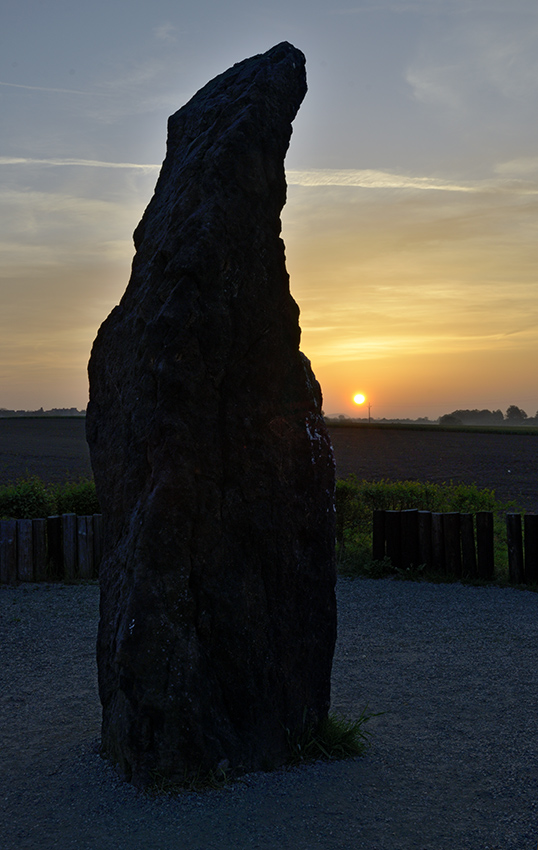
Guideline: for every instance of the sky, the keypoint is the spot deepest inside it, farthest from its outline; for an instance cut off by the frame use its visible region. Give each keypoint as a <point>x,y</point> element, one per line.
<point>412,216</point>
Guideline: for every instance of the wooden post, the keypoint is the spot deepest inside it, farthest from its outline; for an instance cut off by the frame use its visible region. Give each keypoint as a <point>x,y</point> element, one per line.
<point>69,545</point>
<point>8,551</point>
<point>85,546</point>
<point>39,535</point>
<point>54,540</point>
<point>530,522</point>
<point>468,551</point>
<point>451,530</point>
<point>425,538</point>
<point>98,542</point>
<point>438,543</point>
<point>378,535</point>
<point>393,537</point>
<point>514,538</point>
<point>484,545</point>
<point>25,555</point>
<point>409,545</point>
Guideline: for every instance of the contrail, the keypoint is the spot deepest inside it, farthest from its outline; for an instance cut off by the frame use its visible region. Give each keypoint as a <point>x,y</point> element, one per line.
<point>60,91</point>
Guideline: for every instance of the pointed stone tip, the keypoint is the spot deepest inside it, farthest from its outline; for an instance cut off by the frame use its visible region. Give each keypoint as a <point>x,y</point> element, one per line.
<point>282,66</point>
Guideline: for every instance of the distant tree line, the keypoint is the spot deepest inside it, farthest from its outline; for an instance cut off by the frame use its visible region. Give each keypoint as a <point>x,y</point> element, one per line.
<point>514,416</point>
<point>55,411</point>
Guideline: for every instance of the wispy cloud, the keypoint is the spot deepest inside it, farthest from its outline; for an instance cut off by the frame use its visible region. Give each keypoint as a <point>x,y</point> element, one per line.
<point>436,84</point>
<point>508,179</point>
<point>435,7</point>
<point>53,90</point>
<point>85,163</point>
<point>471,59</point>
<point>523,165</point>
<point>371,179</point>
<point>165,32</point>
<point>401,7</point>
<point>363,178</point>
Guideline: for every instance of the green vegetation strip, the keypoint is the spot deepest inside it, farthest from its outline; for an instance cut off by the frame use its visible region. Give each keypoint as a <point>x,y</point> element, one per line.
<point>357,500</point>
<point>379,425</point>
<point>30,498</point>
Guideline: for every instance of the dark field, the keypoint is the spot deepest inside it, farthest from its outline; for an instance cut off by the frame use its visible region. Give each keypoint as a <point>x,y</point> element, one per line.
<point>53,449</point>
<point>506,463</point>
<point>56,451</point>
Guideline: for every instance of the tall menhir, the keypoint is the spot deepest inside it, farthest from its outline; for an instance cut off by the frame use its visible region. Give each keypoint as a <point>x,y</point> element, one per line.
<point>213,467</point>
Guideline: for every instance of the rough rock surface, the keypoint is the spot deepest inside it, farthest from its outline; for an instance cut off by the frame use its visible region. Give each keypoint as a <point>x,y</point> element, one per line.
<point>212,463</point>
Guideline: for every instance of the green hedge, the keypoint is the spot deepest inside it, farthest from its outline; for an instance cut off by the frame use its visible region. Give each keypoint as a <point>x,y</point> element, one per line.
<point>356,501</point>
<point>30,498</point>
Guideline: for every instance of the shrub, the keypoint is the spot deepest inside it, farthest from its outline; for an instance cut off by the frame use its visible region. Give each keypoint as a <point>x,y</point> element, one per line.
<point>77,498</point>
<point>27,499</point>
<point>30,498</point>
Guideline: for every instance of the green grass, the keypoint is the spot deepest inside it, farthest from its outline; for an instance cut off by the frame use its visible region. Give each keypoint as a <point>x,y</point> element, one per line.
<point>356,501</point>
<point>335,738</point>
<point>529,430</point>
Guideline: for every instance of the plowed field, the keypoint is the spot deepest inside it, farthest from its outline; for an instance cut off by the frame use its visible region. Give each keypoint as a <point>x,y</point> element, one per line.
<point>506,463</point>
<point>56,450</point>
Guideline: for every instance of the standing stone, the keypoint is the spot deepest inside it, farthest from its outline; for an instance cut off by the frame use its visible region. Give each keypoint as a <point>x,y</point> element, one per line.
<point>213,466</point>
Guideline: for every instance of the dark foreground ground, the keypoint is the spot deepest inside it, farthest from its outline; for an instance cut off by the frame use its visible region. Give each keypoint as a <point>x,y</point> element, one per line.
<point>56,450</point>
<point>452,764</point>
<point>451,670</point>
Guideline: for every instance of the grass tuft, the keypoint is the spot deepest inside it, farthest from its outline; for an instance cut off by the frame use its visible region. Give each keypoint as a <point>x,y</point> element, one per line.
<point>335,738</point>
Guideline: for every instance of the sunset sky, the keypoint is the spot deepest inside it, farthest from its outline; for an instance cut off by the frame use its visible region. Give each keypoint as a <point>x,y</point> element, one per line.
<point>411,226</point>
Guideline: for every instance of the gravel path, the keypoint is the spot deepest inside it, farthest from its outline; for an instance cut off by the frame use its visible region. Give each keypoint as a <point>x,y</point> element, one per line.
<point>453,763</point>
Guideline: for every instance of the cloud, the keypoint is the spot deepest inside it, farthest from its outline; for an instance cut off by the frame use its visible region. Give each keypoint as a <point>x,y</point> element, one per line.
<point>52,90</point>
<point>436,84</point>
<point>401,7</point>
<point>353,178</point>
<point>507,180</point>
<point>139,86</point>
<point>490,52</point>
<point>523,165</point>
<point>165,32</point>
<point>432,8</point>
<point>370,179</point>
<point>382,276</point>
<point>84,163</point>
<point>43,231</point>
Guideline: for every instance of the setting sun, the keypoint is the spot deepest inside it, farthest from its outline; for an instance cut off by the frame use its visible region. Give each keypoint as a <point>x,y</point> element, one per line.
<point>359,398</point>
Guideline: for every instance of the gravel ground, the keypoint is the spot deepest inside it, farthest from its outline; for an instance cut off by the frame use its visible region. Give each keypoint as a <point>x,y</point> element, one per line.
<point>453,763</point>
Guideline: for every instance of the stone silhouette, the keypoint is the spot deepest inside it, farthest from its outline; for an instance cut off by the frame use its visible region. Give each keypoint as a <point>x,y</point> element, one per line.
<point>213,466</point>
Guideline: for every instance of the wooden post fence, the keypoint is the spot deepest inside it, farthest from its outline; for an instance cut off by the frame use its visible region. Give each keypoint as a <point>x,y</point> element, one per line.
<point>530,524</point>
<point>66,547</point>
<point>449,543</point>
